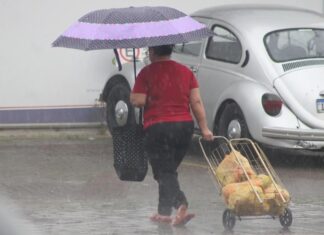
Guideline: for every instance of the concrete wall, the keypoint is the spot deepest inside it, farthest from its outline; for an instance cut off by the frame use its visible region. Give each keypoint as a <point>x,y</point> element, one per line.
<point>35,77</point>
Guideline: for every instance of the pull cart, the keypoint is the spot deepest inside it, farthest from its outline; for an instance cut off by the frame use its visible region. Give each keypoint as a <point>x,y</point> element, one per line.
<point>246,180</point>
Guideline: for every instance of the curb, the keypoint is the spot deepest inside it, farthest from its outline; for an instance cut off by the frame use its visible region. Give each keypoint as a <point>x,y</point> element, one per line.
<point>69,133</point>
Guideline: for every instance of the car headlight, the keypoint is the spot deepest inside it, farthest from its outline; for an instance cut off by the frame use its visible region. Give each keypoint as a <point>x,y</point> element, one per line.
<point>272,104</point>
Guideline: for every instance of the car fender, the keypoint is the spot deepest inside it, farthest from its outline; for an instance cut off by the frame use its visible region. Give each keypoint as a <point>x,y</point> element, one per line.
<point>125,75</point>
<point>247,95</point>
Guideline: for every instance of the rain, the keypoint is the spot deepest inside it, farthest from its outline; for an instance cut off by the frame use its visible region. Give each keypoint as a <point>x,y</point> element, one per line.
<point>67,124</point>
<point>67,185</point>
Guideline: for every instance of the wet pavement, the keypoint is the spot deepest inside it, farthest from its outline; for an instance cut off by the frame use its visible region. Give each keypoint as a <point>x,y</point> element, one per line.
<point>67,185</point>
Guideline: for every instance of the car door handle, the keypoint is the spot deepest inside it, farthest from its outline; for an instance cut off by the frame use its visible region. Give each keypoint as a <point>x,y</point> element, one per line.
<point>194,69</point>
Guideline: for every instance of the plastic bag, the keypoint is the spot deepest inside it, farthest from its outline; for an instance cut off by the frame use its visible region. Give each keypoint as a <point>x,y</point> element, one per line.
<point>244,195</point>
<point>230,171</point>
<point>271,192</point>
<point>241,197</point>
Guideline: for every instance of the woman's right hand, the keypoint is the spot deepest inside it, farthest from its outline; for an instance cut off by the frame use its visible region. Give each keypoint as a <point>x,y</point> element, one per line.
<point>207,134</point>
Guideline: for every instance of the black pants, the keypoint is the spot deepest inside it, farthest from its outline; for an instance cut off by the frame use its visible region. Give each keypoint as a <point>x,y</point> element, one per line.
<point>166,145</point>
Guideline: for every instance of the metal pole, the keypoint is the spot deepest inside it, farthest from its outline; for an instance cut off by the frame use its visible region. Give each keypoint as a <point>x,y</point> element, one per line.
<point>140,109</point>
<point>117,59</point>
<point>134,61</point>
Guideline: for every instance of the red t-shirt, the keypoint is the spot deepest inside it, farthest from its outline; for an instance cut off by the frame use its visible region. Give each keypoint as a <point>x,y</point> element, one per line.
<point>167,85</point>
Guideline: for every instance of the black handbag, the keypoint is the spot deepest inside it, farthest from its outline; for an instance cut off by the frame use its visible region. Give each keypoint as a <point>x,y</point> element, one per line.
<point>130,160</point>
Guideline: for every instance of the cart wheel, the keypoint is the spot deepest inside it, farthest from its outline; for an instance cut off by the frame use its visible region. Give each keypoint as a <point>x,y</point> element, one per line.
<point>286,218</point>
<point>228,219</point>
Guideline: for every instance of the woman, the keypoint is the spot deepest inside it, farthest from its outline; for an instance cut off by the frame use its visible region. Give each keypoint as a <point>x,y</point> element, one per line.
<point>167,90</point>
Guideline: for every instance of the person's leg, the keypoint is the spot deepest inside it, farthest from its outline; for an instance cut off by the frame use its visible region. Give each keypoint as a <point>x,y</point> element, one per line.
<point>166,145</point>
<point>161,158</point>
<point>183,141</point>
<point>153,149</point>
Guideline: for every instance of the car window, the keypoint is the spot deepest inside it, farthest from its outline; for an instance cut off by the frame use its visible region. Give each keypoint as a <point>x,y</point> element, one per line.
<point>190,48</point>
<point>224,46</point>
<point>294,44</point>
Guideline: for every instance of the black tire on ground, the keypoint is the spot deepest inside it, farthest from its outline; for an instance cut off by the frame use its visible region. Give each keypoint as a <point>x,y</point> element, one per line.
<point>118,92</point>
<point>228,219</point>
<point>286,218</point>
<point>232,112</point>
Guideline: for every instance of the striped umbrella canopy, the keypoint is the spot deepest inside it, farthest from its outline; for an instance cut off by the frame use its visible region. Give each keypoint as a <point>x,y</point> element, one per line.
<point>132,27</point>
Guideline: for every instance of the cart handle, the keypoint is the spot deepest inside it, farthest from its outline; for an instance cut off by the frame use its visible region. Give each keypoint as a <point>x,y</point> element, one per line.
<point>206,157</point>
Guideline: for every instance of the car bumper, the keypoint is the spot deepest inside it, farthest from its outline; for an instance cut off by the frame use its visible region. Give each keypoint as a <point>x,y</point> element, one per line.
<point>293,134</point>
<point>294,138</point>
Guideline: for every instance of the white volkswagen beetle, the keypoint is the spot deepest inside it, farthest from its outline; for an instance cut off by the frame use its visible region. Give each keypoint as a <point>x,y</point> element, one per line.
<point>261,75</point>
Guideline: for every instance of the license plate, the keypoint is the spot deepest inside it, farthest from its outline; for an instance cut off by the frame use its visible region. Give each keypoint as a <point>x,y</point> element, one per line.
<point>320,105</point>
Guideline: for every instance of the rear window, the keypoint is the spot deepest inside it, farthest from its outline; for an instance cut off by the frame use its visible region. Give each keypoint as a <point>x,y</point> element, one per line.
<point>295,44</point>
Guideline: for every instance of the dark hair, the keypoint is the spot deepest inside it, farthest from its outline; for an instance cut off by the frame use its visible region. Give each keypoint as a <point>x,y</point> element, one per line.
<point>164,50</point>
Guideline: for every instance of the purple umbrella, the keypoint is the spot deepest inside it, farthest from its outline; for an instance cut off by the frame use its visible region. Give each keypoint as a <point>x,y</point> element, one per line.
<point>132,27</point>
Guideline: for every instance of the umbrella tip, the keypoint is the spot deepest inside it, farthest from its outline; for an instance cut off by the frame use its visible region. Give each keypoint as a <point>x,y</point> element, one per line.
<point>54,44</point>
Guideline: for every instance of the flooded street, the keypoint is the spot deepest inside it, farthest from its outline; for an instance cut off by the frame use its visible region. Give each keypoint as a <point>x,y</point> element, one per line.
<point>67,186</point>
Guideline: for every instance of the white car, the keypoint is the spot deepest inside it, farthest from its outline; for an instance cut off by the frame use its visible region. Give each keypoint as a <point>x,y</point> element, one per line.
<point>261,75</point>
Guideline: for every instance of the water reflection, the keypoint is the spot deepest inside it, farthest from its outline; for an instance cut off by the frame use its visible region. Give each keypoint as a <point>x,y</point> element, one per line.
<point>71,188</point>
<point>167,229</point>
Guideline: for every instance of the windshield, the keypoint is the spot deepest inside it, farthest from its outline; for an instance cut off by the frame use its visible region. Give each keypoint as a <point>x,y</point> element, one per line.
<point>294,44</point>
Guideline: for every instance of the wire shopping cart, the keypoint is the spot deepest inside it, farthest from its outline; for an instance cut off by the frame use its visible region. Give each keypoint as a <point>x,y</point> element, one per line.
<point>246,180</point>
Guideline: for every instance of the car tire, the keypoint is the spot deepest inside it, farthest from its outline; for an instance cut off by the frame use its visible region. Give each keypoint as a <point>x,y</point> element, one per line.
<point>232,123</point>
<point>118,93</point>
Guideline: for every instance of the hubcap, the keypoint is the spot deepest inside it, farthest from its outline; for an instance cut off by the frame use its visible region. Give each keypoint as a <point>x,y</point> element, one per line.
<point>121,113</point>
<point>234,129</point>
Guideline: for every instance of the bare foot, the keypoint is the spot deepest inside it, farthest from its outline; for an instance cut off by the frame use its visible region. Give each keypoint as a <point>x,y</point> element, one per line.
<point>161,218</point>
<point>182,217</point>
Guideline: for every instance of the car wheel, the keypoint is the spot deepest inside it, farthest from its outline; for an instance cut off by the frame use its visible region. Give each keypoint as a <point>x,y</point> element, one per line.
<point>119,110</point>
<point>232,123</point>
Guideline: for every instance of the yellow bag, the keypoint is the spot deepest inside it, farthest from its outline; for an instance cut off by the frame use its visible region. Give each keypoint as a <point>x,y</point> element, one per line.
<point>274,194</point>
<point>262,181</point>
<point>245,196</point>
<point>242,198</point>
<point>230,171</point>
<point>274,200</point>
<point>229,189</point>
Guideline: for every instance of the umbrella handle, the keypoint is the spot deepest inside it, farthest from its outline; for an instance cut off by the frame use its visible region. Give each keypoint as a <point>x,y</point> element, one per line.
<point>118,60</point>
<point>141,109</point>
